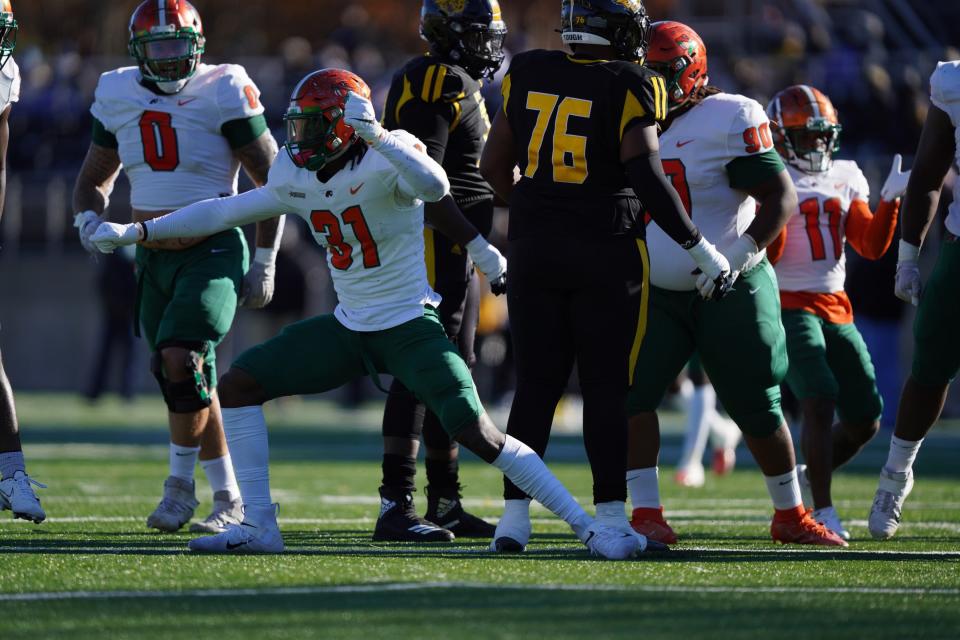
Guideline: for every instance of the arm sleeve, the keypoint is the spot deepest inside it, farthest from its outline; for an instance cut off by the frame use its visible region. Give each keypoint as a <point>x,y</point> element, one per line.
<point>746,172</point>
<point>421,177</point>
<point>430,123</point>
<point>238,98</point>
<point>660,199</point>
<point>870,234</point>
<point>207,217</point>
<point>103,138</point>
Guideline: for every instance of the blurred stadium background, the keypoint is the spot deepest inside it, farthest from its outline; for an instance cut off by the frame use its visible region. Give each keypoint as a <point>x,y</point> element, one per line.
<point>872,57</point>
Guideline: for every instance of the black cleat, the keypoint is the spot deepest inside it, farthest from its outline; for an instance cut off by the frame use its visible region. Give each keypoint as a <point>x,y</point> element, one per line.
<point>445,510</point>
<point>399,522</point>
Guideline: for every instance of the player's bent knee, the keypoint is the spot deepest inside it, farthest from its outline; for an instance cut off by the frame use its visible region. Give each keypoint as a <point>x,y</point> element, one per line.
<point>758,424</point>
<point>178,368</point>
<point>238,388</point>
<point>482,438</point>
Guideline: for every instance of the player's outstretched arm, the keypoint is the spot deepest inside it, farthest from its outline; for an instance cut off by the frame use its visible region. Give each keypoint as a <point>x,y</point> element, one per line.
<point>499,159</point>
<point>640,157</point>
<point>256,158</point>
<point>446,217</point>
<point>198,220</point>
<point>421,177</point>
<point>91,193</point>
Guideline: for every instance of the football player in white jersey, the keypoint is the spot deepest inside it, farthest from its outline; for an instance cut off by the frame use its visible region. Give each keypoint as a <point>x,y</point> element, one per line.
<point>16,490</point>
<point>362,190</point>
<point>830,369</point>
<point>718,149</point>
<point>936,357</point>
<point>181,130</point>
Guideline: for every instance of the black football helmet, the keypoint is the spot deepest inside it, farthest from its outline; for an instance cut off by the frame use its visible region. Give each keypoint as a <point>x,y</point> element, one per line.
<point>469,33</point>
<point>621,24</point>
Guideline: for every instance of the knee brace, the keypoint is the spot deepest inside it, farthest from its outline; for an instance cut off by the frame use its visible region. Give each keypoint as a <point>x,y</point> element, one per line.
<point>190,395</point>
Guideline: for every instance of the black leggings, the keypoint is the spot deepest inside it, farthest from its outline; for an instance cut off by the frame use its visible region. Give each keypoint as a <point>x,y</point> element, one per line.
<point>572,300</point>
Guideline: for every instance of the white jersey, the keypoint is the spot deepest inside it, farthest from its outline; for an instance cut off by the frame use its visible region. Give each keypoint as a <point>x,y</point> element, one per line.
<point>374,239</point>
<point>9,84</point>
<point>695,151</point>
<point>945,95</point>
<point>813,257</point>
<point>171,146</point>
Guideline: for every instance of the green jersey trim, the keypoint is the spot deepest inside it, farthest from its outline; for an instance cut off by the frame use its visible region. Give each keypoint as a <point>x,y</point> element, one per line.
<point>102,137</point>
<point>240,133</point>
<point>746,172</point>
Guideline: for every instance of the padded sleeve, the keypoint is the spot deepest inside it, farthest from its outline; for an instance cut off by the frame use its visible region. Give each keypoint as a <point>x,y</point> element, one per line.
<point>643,101</point>
<point>749,132</point>
<point>238,98</point>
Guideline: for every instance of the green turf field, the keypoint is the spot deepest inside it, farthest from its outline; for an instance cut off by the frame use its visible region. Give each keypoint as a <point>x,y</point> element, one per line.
<point>94,571</point>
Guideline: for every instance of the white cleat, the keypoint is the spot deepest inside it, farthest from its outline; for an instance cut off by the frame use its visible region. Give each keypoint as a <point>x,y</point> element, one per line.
<point>620,523</point>
<point>725,435</point>
<point>690,475</point>
<point>258,533</point>
<point>225,512</point>
<point>612,543</point>
<point>514,529</point>
<point>887,504</point>
<point>806,492</point>
<point>177,506</point>
<point>17,495</point>
<point>828,517</point>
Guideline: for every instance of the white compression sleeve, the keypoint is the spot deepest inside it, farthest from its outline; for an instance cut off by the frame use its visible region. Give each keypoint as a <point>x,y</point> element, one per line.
<point>524,468</point>
<point>246,431</point>
<point>218,214</point>
<point>421,177</point>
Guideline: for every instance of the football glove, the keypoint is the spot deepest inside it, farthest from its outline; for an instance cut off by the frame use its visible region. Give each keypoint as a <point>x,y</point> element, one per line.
<point>714,278</point>
<point>740,253</point>
<point>110,235</point>
<point>907,286</point>
<point>358,112</point>
<point>86,223</point>
<point>896,183</point>
<point>258,282</point>
<point>491,262</point>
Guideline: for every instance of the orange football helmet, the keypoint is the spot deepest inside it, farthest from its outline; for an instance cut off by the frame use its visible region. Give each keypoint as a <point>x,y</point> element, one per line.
<point>8,32</point>
<point>316,131</point>
<point>166,40</point>
<point>678,54</point>
<point>806,130</point>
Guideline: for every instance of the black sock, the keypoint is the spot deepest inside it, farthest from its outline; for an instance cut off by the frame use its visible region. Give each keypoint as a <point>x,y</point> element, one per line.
<point>399,472</point>
<point>443,476</point>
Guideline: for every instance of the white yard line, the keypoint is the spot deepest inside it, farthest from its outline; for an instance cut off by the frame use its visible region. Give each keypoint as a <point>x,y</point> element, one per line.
<point>420,586</point>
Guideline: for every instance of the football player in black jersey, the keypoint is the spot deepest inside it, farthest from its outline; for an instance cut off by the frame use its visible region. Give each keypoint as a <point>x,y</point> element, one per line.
<point>437,98</point>
<point>583,130</point>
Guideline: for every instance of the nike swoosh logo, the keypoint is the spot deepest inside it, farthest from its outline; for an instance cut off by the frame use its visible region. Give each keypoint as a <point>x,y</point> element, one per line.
<point>181,103</point>
<point>683,144</point>
<point>786,482</point>
<point>183,455</point>
<point>354,190</point>
<point>231,546</point>
<point>219,250</point>
<point>753,291</point>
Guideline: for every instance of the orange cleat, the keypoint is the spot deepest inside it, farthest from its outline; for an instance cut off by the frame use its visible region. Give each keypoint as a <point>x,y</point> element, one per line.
<point>650,522</point>
<point>724,460</point>
<point>798,526</point>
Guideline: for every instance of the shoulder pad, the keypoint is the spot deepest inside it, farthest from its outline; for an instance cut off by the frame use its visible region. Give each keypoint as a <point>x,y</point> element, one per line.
<point>434,81</point>
<point>945,86</point>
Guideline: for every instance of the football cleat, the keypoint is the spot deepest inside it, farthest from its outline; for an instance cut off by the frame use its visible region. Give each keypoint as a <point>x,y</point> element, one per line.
<point>258,533</point>
<point>691,475</point>
<point>17,495</point>
<point>612,542</point>
<point>797,526</point>
<point>887,504</point>
<point>726,435</point>
<point>513,531</point>
<point>806,492</point>
<point>445,510</point>
<point>225,512</point>
<point>828,517</point>
<point>398,520</point>
<point>650,523</point>
<point>176,507</point>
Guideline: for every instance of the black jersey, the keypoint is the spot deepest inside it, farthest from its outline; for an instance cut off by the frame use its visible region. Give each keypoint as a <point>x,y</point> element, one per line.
<point>568,116</point>
<point>441,104</point>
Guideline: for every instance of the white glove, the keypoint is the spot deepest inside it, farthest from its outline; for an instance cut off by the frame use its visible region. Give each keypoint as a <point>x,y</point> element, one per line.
<point>257,290</point>
<point>490,261</point>
<point>714,279</point>
<point>740,253</point>
<point>110,235</point>
<point>908,285</point>
<point>358,112</point>
<point>896,183</point>
<point>86,223</point>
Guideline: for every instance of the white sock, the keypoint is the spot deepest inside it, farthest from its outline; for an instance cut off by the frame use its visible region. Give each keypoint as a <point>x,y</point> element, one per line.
<point>784,490</point>
<point>525,469</point>
<point>644,487</point>
<point>219,472</point>
<point>703,404</point>
<point>246,431</point>
<point>183,460</point>
<point>902,454</point>
<point>612,514</point>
